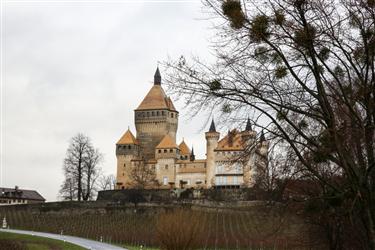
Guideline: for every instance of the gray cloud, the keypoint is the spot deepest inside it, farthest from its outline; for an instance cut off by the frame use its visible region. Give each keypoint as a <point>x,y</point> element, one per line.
<point>85,68</point>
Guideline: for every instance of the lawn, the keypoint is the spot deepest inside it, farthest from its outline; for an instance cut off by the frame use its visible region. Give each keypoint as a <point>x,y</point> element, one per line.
<point>11,241</point>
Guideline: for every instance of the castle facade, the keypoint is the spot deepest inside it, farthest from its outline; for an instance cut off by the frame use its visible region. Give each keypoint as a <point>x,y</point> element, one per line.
<point>152,159</point>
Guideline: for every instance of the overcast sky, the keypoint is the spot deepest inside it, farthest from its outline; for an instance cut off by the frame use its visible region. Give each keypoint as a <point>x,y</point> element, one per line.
<point>81,66</point>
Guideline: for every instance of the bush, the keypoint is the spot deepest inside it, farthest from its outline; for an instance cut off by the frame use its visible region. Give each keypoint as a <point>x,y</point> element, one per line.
<point>179,230</point>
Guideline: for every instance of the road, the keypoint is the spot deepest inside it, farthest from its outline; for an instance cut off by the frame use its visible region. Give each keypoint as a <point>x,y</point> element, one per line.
<point>89,244</point>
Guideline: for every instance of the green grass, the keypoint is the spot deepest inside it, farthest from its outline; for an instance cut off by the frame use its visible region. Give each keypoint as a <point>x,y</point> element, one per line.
<point>22,241</point>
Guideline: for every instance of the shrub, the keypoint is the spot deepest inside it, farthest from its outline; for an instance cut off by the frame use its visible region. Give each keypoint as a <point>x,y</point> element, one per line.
<point>179,230</point>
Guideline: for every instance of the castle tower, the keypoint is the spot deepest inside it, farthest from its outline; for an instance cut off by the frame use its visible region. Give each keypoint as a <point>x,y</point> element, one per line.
<point>248,135</point>
<point>127,150</point>
<point>212,137</point>
<point>155,117</point>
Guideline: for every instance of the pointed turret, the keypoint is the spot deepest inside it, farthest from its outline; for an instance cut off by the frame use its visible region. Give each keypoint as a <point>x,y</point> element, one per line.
<point>127,138</point>
<point>262,138</point>
<point>248,125</point>
<point>212,126</point>
<point>157,77</point>
<point>192,155</point>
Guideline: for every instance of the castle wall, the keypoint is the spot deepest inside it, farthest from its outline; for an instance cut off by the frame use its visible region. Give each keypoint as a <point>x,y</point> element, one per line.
<point>165,172</point>
<point>124,166</point>
<point>152,126</point>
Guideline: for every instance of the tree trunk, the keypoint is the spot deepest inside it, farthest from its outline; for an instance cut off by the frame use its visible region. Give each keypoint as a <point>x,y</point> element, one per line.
<point>80,178</point>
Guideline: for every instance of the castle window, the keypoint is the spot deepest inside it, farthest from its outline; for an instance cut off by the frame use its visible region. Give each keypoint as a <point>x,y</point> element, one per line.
<point>172,115</point>
<point>152,113</point>
<point>165,180</point>
<point>165,151</point>
<point>166,166</point>
<point>148,114</point>
<point>163,112</point>
<point>171,151</point>
<point>157,113</point>
<point>235,180</point>
<point>159,151</point>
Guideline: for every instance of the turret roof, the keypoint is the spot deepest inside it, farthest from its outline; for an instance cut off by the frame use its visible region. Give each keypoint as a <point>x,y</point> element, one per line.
<point>156,99</point>
<point>128,138</point>
<point>167,142</point>
<point>232,141</point>
<point>212,126</point>
<point>184,149</point>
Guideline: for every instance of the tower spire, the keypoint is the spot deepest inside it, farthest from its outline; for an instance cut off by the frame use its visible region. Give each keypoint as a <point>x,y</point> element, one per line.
<point>248,125</point>
<point>157,77</point>
<point>212,126</point>
<point>192,155</point>
<point>262,138</point>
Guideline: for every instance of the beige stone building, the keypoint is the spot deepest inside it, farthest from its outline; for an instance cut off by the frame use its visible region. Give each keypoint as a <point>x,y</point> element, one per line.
<point>152,158</point>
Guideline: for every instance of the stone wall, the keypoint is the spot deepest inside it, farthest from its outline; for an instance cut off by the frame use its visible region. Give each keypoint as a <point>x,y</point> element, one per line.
<point>168,195</point>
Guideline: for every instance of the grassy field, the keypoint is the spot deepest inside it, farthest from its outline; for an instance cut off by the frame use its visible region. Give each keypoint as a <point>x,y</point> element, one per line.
<point>12,241</point>
<point>260,228</point>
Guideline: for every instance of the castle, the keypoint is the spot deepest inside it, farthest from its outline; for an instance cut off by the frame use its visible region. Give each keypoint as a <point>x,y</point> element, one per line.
<point>152,159</point>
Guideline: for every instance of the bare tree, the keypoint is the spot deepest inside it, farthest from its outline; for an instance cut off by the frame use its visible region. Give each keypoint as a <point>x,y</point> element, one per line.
<point>81,169</point>
<point>68,190</point>
<point>143,176</point>
<point>92,172</point>
<point>271,176</point>
<point>107,182</point>
<point>304,70</point>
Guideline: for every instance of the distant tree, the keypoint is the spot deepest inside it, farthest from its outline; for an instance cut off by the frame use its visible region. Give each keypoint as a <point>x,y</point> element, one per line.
<point>81,169</point>
<point>107,182</point>
<point>92,172</point>
<point>68,190</point>
<point>143,176</point>
<point>305,71</point>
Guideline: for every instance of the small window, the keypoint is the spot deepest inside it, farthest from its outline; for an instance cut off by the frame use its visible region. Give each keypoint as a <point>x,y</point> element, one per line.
<point>159,151</point>
<point>148,114</point>
<point>157,113</point>
<point>165,151</point>
<point>172,115</point>
<point>163,112</point>
<point>171,151</point>
<point>152,113</point>
<point>235,180</point>
<point>165,180</point>
<point>166,166</point>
